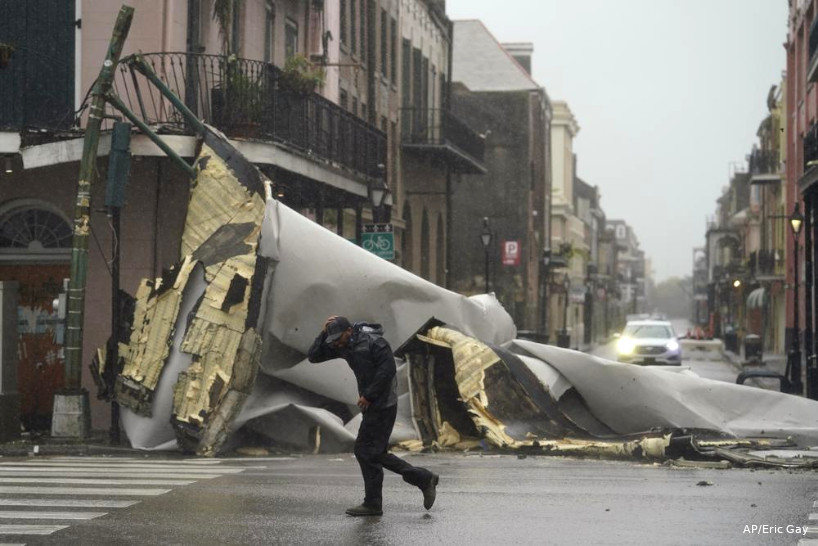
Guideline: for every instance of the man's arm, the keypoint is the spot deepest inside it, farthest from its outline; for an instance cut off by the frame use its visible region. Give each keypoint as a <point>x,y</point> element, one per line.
<point>320,351</point>
<point>385,370</point>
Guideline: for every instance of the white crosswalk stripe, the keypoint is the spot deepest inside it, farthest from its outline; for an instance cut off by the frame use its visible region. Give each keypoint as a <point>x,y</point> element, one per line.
<point>95,481</point>
<point>133,466</point>
<point>19,514</point>
<point>68,503</point>
<point>101,491</point>
<point>102,473</point>
<point>83,488</point>
<point>30,529</point>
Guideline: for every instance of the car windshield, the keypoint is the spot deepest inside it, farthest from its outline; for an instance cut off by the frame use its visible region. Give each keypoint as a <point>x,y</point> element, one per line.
<point>648,331</point>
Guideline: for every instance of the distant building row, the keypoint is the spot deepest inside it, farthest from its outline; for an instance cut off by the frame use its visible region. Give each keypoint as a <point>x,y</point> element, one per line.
<point>756,273</point>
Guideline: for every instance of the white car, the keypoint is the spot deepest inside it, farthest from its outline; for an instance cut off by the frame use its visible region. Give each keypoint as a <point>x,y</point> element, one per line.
<point>649,342</point>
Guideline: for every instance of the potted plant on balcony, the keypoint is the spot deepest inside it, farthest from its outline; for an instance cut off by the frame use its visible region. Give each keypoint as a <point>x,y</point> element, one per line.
<point>300,77</point>
<point>6,51</point>
<point>238,100</point>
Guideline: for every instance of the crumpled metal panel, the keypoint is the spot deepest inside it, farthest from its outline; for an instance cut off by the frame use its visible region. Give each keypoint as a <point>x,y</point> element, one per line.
<point>508,399</point>
<point>209,396</point>
<point>630,399</point>
<point>509,409</point>
<point>221,234</point>
<point>157,305</point>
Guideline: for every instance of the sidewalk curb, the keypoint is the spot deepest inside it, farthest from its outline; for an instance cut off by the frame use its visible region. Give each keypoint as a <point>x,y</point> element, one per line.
<point>96,444</point>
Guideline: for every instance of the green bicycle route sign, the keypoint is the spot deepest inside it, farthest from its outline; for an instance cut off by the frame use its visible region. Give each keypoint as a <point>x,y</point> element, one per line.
<point>379,240</point>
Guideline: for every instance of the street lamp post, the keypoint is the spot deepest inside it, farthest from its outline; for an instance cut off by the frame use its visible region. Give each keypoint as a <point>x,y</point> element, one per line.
<point>563,339</point>
<point>377,190</point>
<point>794,361</point>
<point>546,262</point>
<point>485,238</point>
<point>377,194</point>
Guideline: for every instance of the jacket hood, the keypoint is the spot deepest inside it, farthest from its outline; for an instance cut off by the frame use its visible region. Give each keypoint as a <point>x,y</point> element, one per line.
<point>367,328</point>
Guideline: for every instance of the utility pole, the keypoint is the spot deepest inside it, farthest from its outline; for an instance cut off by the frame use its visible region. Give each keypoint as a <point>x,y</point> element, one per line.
<point>71,417</point>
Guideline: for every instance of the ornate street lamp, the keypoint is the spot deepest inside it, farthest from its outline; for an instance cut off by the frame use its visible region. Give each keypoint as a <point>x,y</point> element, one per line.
<point>485,238</point>
<point>794,360</point>
<point>378,190</point>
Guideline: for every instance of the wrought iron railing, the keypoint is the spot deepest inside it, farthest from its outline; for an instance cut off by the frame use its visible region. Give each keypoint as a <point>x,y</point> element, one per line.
<point>764,162</point>
<point>810,146</point>
<point>245,98</point>
<point>438,126</point>
<point>762,263</point>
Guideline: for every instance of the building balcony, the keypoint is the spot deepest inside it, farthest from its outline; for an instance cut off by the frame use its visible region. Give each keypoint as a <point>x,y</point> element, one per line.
<point>437,133</point>
<point>810,176</point>
<point>250,99</point>
<point>812,67</point>
<point>765,167</point>
<point>766,265</point>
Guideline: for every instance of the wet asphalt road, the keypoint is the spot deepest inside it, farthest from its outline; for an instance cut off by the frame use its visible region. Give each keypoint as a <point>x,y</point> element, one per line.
<point>482,499</point>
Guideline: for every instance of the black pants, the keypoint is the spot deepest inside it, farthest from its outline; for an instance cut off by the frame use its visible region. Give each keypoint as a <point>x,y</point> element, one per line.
<point>371,452</point>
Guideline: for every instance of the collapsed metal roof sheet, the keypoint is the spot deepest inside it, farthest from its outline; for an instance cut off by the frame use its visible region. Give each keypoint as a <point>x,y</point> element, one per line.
<point>219,343</point>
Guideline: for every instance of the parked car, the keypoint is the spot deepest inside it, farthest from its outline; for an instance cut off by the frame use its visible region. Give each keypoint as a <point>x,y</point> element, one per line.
<point>649,342</point>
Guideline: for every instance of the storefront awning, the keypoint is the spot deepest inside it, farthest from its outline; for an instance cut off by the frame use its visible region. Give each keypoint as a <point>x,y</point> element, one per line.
<point>756,298</point>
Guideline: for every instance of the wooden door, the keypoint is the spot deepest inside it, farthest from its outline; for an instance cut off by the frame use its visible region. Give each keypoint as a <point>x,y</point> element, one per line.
<point>41,366</point>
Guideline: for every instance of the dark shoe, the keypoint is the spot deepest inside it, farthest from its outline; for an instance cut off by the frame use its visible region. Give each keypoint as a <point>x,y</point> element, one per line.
<point>430,492</point>
<point>364,510</point>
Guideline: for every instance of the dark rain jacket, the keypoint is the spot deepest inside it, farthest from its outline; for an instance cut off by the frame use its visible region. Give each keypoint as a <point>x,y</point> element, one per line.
<point>371,359</point>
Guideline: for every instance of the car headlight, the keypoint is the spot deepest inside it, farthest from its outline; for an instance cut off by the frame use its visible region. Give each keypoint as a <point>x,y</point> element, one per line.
<point>625,345</point>
<point>672,345</point>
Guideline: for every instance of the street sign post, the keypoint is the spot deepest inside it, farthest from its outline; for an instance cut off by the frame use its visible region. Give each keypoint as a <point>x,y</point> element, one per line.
<point>379,239</point>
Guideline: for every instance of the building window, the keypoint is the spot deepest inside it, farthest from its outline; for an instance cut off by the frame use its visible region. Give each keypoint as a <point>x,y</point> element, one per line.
<point>343,99</point>
<point>417,78</point>
<point>353,26</point>
<point>355,105</point>
<point>269,25</point>
<point>433,81</point>
<point>291,38</point>
<point>235,33</point>
<point>393,152</point>
<point>364,17</point>
<point>423,73</point>
<point>194,27</point>
<point>394,48</point>
<point>406,75</point>
<point>34,228</point>
<point>384,45</point>
<point>444,100</point>
<point>344,36</point>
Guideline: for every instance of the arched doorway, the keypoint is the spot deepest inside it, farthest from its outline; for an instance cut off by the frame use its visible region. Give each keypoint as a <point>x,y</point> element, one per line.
<point>35,251</point>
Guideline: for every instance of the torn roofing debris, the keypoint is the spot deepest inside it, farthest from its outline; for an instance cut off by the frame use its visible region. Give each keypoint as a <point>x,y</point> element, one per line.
<point>217,354</point>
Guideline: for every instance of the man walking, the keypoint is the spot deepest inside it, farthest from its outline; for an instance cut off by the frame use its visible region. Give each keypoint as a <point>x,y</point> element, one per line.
<point>370,357</point>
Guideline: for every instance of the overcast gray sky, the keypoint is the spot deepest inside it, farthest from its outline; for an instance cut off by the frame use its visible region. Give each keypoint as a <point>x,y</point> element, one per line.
<point>667,94</point>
